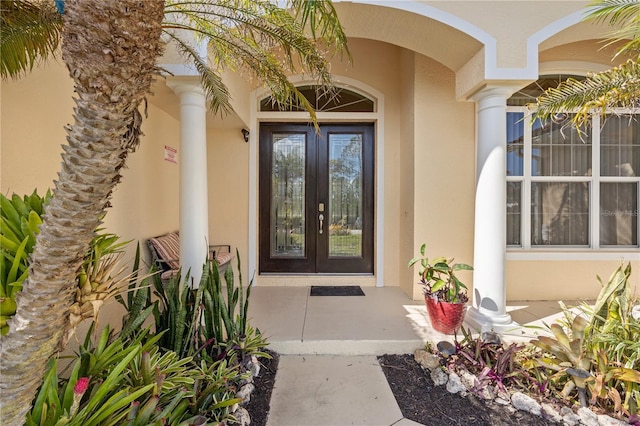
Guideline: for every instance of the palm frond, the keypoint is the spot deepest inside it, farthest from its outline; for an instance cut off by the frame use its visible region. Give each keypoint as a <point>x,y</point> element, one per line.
<point>255,36</point>
<point>624,17</point>
<point>618,87</point>
<point>29,33</point>
<point>216,91</point>
<point>322,16</point>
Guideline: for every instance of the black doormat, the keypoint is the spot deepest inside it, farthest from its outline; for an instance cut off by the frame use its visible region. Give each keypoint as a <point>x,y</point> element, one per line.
<point>336,290</point>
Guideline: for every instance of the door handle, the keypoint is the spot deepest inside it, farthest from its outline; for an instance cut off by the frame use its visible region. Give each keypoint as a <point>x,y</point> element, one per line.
<point>321,219</point>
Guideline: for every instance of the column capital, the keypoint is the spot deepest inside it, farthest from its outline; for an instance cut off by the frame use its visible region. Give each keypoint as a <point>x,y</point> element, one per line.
<point>181,85</point>
<point>494,94</point>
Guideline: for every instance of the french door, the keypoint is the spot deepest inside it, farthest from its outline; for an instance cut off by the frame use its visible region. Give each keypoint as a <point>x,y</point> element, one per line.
<point>316,198</point>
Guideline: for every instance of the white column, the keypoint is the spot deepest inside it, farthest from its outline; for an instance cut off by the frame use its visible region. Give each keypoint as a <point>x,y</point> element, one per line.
<point>194,205</point>
<point>490,292</point>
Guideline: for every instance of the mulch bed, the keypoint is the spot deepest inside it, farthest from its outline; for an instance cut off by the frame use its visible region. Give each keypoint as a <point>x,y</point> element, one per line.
<point>258,405</point>
<point>419,399</point>
<point>423,402</point>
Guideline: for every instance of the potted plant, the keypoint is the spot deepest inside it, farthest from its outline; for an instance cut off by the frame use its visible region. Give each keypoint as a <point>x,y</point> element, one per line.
<point>445,295</point>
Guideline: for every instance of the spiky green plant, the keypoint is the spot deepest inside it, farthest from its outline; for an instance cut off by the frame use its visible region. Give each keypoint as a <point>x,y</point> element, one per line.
<point>20,220</point>
<point>568,355</point>
<point>138,303</point>
<point>210,322</point>
<point>614,340</point>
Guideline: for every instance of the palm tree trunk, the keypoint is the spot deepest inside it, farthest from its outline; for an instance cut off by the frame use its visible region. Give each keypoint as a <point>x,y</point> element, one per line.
<point>110,48</point>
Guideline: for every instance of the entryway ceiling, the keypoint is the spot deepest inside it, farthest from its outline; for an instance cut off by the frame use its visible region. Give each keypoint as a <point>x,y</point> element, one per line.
<point>426,36</point>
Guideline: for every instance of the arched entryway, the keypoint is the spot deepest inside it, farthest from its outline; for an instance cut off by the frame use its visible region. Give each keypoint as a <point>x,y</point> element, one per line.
<point>316,186</point>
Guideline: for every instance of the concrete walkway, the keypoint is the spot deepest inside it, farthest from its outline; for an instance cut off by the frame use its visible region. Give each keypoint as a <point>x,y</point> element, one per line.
<point>328,373</point>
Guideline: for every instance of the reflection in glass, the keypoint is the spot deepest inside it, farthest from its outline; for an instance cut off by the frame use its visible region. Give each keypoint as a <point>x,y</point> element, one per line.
<point>514,200</point>
<point>620,146</point>
<point>619,214</point>
<point>515,143</point>
<point>287,227</point>
<point>345,194</point>
<point>560,213</point>
<point>558,149</point>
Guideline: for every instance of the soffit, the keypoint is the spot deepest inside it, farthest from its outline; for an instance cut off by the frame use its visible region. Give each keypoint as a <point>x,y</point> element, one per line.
<point>594,51</point>
<point>418,33</point>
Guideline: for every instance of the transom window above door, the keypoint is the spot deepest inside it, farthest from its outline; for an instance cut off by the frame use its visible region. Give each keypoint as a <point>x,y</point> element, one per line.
<point>570,188</point>
<point>335,100</point>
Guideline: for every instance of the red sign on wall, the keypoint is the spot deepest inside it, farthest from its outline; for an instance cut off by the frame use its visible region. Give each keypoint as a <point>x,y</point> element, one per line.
<point>170,154</point>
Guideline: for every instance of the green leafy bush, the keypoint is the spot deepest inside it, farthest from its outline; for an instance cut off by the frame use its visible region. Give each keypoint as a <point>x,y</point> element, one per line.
<point>20,220</point>
<point>116,382</point>
<point>209,322</point>
<point>601,354</point>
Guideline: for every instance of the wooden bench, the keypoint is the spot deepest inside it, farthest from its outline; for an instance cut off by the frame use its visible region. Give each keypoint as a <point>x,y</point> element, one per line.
<point>165,254</point>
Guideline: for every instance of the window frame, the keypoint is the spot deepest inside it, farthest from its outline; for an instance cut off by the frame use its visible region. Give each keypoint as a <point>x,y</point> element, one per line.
<point>594,181</point>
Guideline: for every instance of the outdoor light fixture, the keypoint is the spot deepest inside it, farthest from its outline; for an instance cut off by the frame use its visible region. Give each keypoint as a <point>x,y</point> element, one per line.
<point>245,135</point>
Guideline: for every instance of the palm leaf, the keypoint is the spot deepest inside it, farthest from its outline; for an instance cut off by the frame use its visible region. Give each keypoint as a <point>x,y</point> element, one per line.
<point>29,33</point>
<point>617,87</point>
<point>624,15</point>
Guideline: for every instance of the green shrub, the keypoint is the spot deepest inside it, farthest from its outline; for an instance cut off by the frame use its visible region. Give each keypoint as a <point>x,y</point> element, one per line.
<point>604,343</point>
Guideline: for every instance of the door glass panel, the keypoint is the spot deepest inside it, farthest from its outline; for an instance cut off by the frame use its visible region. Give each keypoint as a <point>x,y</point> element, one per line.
<point>345,195</point>
<point>287,225</point>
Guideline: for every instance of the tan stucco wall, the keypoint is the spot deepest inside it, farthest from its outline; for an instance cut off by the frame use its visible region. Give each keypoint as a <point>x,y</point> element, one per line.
<point>34,110</point>
<point>444,162</point>
<point>510,23</point>
<point>562,280</point>
<point>407,184</point>
<point>228,183</point>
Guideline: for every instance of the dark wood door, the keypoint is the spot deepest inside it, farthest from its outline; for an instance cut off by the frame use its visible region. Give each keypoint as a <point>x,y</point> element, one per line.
<point>316,198</point>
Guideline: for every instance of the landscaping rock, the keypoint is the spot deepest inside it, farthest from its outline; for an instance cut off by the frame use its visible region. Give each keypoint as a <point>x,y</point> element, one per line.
<point>569,418</point>
<point>253,365</point>
<point>245,392</point>
<point>588,417</point>
<point>486,393</point>
<point>468,379</point>
<point>550,412</point>
<point>439,377</point>
<point>427,359</point>
<point>242,417</point>
<point>526,403</point>
<point>454,385</point>
<point>604,420</point>
<point>502,400</point>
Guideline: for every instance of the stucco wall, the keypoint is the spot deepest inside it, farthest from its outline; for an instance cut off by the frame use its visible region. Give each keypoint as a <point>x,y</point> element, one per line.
<point>444,167</point>
<point>228,175</point>
<point>35,110</point>
<point>407,183</point>
<point>562,279</point>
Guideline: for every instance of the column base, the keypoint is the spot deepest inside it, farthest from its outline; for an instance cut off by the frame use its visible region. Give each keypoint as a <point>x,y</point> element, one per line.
<point>501,324</point>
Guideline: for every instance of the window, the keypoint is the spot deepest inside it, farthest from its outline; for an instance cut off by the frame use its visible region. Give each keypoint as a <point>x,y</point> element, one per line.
<point>568,188</point>
<point>335,100</point>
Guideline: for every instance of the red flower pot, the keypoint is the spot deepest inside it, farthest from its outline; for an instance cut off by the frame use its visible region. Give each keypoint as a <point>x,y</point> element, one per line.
<point>445,317</point>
